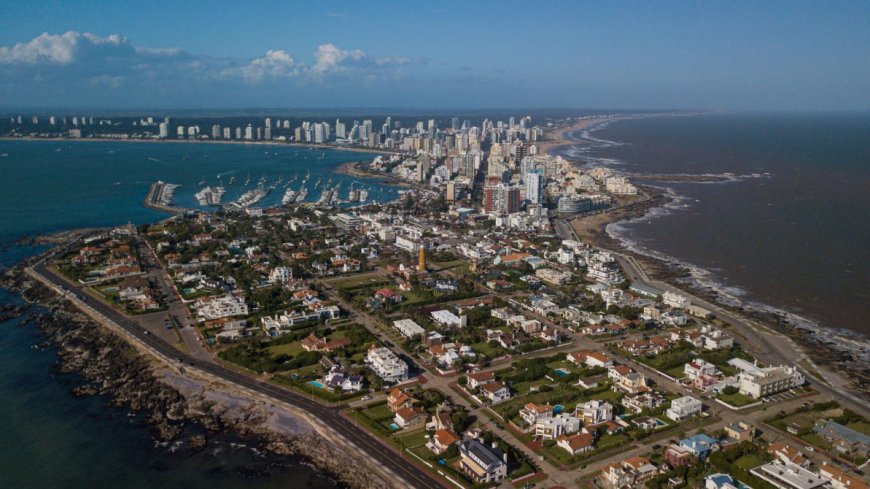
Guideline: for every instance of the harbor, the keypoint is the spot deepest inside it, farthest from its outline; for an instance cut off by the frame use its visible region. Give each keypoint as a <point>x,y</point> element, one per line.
<point>161,197</point>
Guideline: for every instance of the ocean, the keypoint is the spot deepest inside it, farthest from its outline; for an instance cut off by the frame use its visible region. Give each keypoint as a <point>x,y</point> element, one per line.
<point>52,439</point>
<point>788,232</point>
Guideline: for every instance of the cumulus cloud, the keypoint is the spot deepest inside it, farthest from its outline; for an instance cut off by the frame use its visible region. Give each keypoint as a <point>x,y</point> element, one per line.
<point>64,48</point>
<point>60,64</point>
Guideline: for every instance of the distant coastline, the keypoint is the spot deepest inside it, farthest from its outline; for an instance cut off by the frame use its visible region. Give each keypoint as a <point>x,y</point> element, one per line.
<point>812,342</point>
<point>352,149</point>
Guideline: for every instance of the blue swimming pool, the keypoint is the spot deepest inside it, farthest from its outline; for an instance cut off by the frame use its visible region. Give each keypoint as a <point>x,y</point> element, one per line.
<point>394,426</point>
<point>558,408</point>
<point>561,372</point>
<point>316,383</point>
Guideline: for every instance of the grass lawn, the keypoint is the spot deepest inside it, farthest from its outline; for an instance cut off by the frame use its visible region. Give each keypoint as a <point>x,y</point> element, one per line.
<point>676,372</point>
<point>378,412</point>
<point>737,399</point>
<point>860,426</point>
<point>484,348</point>
<point>360,281</point>
<point>614,439</point>
<point>748,462</point>
<point>288,348</point>
<point>817,440</point>
<point>414,439</point>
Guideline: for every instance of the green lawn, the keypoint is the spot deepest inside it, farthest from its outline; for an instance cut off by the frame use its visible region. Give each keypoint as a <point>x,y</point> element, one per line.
<point>287,348</point>
<point>360,281</point>
<point>817,440</point>
<point>737,399</point>
<point>378,412</point>
<point>414,439</point>
<point>748,461</point>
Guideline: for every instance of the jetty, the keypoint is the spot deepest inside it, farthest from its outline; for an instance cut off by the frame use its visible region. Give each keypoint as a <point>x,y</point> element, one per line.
<point>161,197</point>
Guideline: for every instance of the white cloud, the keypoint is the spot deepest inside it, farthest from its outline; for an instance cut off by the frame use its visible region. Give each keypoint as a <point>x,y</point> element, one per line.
<point>332,59</point>
<point>51,67</point>
<point>59,49</point>
<point>275,63</point>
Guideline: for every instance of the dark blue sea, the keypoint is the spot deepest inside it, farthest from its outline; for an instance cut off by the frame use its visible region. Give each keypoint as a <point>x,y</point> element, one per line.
<point>788,233</point>
<point>50,439</point>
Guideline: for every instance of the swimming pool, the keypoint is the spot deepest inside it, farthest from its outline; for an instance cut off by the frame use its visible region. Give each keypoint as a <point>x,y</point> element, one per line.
<point>558,408</point>
<point>394,426</point>
<point>316,384</point>
<point>561,372</point>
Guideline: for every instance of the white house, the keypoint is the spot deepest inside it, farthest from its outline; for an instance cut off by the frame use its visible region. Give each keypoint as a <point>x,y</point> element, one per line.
<point>550,428</point>
<point>594,412</point>
<point>677,301</point>
<point>387,365</point>
<point>408,328</point>
<point>683,408</point>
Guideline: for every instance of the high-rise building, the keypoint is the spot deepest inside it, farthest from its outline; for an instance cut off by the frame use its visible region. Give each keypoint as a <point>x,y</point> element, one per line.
<point>163,130</point>
<point>340,129</point>
<point>227,133</point>
<point>500,198</point>
<point>216,131</point>
<point>249,132</point>
<point>535,186</point>
<point>268,122</point>
<point>451,191</point>
<point>267,133</point>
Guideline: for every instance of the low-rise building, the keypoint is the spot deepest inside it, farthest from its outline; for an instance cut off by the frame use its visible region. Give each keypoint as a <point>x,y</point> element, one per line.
<point>408,328</point>
<point>575,444</point>
<point>481,463</point>
<point>683,408</point>
<point>387,365</point>
<point>768,381</point>
<point>631,472</point>
<point>594,412</point>
<point>786,476</point>
<point>552,427</point>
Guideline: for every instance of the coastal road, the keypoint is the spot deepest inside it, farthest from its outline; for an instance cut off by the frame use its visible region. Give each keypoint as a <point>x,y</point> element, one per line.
<point>330,416</point>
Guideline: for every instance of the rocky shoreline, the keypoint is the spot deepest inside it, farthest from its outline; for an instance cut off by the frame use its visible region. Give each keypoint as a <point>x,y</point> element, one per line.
<point>819,348</point>
<point>167,401</point>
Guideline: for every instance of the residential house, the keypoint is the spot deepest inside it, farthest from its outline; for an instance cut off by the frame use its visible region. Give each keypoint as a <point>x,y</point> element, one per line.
<point>683,408</point>
<point>410,418</point>
<point>496,392</point>
<point>481,463</point>
<point>594,412</point>
<point>441,441</point>
<point>631,472</point>
<point>575,444</point>
<point>399,399</point>
<point>552,427</point>
<point>840,479</point>
<point>475,380</point>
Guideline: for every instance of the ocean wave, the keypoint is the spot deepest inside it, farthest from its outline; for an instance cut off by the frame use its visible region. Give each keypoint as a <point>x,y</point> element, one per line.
<point>725,293</point>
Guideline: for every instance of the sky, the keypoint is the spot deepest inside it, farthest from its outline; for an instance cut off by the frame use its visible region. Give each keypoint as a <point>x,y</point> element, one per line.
<point>770,55</point>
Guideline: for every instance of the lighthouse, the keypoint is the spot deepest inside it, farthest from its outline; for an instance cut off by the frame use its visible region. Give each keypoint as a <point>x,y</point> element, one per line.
<point>421,264</point>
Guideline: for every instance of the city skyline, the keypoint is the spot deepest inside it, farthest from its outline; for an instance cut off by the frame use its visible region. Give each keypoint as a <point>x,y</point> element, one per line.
<point>742,56</point>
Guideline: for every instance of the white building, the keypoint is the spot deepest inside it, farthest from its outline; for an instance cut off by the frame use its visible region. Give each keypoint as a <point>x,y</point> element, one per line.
<point>446,318</point>
<point>767,381</point>
<point>676,301</point>
<point>408,328</point>
<point>387,365</point>
<point>281,274</point>
<point>218,307</point>
<point>789,476</point>
<point>594,412</point>
<point>683,408</point>
<point>550,428</point>
<point>604,273</point>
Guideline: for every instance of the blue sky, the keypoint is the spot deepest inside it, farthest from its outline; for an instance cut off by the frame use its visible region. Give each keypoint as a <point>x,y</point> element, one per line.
<point>487,54</point>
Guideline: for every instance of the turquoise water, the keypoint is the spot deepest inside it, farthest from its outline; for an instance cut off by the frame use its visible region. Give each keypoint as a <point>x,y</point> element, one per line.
<point>52,185</point>
<point>316,384</point>
<point>51,439</point>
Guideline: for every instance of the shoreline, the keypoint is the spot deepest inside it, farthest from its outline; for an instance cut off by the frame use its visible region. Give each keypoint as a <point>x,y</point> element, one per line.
<point>819,344</point>
<point>166,399</point>
<point>313,146</point>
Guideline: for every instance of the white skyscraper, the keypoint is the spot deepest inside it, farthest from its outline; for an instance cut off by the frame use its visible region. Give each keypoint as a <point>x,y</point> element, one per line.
<point>535,186</point>
<point>164,130</point>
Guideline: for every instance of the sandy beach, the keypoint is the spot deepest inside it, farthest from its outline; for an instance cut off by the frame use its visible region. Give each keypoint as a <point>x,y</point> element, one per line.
<point>560,136</point>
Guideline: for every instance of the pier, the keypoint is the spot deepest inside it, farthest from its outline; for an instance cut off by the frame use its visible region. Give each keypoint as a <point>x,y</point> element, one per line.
<point>160,198</point>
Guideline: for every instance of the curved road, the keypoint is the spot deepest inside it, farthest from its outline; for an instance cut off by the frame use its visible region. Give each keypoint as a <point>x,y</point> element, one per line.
<point>365,442</point>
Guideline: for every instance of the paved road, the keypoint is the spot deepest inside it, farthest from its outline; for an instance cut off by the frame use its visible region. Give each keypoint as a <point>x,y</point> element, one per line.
<point>769,346</point>
<point>371,447</point>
